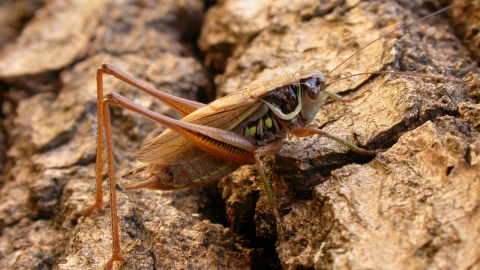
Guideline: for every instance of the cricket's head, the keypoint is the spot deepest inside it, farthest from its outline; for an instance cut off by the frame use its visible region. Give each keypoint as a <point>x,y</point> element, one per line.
<point>299,95</point>
<point>312,85</point>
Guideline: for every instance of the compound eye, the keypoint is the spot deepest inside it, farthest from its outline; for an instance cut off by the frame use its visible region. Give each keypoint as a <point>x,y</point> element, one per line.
<point>314,88</point>
<point>313,93</point>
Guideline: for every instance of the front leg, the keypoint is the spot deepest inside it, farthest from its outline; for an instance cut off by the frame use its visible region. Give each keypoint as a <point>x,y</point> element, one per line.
<point>339,98</point>
<point>300,131</point>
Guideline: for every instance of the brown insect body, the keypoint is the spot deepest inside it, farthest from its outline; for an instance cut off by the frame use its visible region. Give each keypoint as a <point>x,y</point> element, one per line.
<point>173,162</point>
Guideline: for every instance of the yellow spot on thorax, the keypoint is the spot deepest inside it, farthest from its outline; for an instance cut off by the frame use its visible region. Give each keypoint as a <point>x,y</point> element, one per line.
<point>253,130</point>
<point>268,122</point>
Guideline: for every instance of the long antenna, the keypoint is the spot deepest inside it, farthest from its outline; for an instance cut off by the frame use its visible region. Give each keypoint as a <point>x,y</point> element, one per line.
<point>397,73</point>
<point>391,32</point>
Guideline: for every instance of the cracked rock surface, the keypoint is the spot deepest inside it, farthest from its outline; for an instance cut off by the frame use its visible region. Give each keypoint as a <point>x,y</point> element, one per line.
<point>413,206</point>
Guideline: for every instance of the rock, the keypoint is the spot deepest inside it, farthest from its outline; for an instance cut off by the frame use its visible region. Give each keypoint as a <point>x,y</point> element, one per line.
<point>411,206</point>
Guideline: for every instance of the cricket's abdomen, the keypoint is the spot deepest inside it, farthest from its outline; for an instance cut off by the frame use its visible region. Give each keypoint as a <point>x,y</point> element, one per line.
<point>199,172</point>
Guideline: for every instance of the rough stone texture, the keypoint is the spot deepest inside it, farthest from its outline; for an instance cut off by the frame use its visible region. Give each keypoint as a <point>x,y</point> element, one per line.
<point>59,46</point>
<point>50,177</point>
<point>466,20</point>
<point>413,206</point>
<point>353,219</point>
<point>13,15</point>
